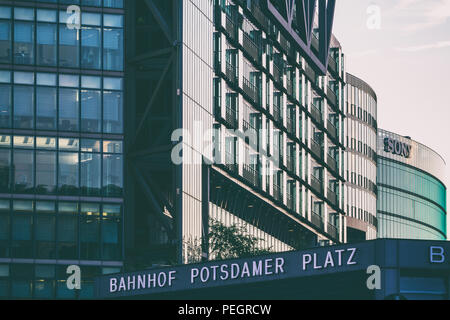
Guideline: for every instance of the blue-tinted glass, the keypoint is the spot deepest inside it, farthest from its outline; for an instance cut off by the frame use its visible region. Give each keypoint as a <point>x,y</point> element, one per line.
<point>5,106</point>
<point>113,49</point>
<point>68,173</point>
<point>91,48</point>
<point>45,172</point>
<point>111,225</point>
<point>24,42</point>
<point>90,82</point>
<point>46,15</point>
<point>91,111</point>
<point>23,13</point>
<point>46,108</point>
<point>112,112</point>
<point>68,109</point>
<point>90,174</point>
<point>46,44</point>
<point>90,231</point>
<point>5,166</point>
<point>68,47</point>
<point>112,175</point>
<point>23,107</point>
<point>23,170</point>
<point>46,79</point>
<point>5,41</point>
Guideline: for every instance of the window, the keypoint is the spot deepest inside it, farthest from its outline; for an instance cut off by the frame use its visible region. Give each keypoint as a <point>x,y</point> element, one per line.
<point>22,222</point>
<point>23,43</point>
<point>45,108</point>
<point>67,230</point>
<point>112,112</point>
<point>5,106</point>
<point>111,224</point>
<point>91,48</point>
<point>68,109</point>
<point>91,111</point>
<point>112,175</point>
<point>68,173</point>
<point>45,172</point>
<point>45,222</point>
<point>23,107</point>
<point>46,44</point>
<point>23,171</point>
<point>113,49</point>
<point>5,41</point>
<point>90,167</point>
<point>90,231</point>
<point>68,47</point>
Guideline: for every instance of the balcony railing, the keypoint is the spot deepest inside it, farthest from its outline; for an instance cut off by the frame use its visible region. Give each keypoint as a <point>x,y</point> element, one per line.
<point>332,64</point>
<point>289,88</point>
<point>290,126</point>
<point>316,184</point>
<point>277,73</point>
<point>290,201</point>
<point>251,48</point>
<point>231,28</point>
<point>310,73</point>
<point>316,113</point>
<point>231,117</point>
<point>277,193</point>
<point>277,114</point>
<point>231,73</point>
<point>251,90</point>
<point>316,149</point>
<point>251,175</point>
<point>230,162</point>
<point>332,163</point>
<point>333,231</point>
<point>259,15</point>
<point>317,220</point>
<point>290,164</point>
<point>331,96</point>
<point>333,131</point>
<point>333,198</point>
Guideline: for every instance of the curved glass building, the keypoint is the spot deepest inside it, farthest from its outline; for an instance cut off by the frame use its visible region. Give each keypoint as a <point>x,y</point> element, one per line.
<point>361,144</point>
<point>411,194</point>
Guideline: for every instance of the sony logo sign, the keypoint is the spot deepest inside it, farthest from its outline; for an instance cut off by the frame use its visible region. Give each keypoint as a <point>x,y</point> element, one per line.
<point>398,148</point>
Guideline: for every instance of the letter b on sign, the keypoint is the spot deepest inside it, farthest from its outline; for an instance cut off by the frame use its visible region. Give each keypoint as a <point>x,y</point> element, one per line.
<point>437,255</point>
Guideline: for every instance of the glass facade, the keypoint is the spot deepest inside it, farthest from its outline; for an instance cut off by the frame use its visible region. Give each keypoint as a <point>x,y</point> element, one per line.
<point>412,202</point>
<point>361,174</point>
<point>61,146</point>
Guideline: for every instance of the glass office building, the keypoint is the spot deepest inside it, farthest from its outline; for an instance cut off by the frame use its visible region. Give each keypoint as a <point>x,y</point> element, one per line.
<point>361,174</point>
<point>411,193</point>
<point>61,145</point>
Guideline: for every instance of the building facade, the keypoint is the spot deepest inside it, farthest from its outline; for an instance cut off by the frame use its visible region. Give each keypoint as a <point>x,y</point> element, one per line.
<point>61,145</point>
<point>411,195</point>
<point>266,89</point>
<point>361,148</point>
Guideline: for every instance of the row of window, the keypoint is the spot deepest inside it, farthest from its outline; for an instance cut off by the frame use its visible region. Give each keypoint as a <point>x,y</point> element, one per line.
<point>61,167</point>
<point>35,37</point>
<point>411,180</point>
<point>91,3</point>
<point>25,281</point>
<point>69,107</point>
<point>411,207</point>
<point>63,231</point>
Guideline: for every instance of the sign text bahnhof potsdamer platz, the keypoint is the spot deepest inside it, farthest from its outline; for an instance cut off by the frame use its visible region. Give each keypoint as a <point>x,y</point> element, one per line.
<point>395,258</point>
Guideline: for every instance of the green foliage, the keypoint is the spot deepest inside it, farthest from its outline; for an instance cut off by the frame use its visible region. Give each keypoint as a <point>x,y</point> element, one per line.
<point>232,242</point>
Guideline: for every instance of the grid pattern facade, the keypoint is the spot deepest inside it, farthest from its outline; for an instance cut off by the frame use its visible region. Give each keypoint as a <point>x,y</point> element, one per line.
<point>278,124</point>
<point>61,145</point>
<point>361,143</point>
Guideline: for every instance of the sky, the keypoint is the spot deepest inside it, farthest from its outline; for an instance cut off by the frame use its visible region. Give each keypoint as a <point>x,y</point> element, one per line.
<point>402,49</point>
